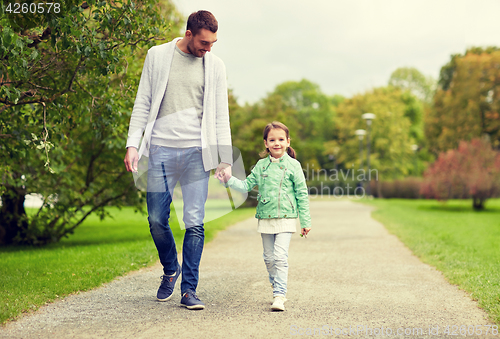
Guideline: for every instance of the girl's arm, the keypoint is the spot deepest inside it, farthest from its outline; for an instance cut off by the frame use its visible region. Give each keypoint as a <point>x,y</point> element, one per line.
<point>244,185</point>
<point>302,197</point>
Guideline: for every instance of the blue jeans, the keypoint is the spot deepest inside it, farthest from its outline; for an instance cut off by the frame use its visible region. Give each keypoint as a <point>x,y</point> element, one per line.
<point>167,166</point>
<point>276,259</point>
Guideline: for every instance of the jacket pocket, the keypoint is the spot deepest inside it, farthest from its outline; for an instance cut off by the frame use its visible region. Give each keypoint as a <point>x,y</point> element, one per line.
<point>264,201</point>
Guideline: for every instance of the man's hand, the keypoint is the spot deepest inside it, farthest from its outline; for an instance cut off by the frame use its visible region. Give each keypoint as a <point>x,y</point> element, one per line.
<point>223,172</point>
<point>131,159</point>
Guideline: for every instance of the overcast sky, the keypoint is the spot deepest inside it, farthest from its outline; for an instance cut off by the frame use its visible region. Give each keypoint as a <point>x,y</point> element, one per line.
<point>345,46</point>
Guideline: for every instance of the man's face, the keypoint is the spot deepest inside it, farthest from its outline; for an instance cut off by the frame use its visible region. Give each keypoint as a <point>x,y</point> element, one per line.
<point>201,43</point>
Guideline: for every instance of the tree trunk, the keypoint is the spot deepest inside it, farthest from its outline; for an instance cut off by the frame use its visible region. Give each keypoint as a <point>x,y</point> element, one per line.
<point>478,203</point>
<point>379,189</point>
<point>12,215</point>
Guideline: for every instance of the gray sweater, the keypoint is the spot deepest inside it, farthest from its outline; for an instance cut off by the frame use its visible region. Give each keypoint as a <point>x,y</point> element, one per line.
<point>179,119</point>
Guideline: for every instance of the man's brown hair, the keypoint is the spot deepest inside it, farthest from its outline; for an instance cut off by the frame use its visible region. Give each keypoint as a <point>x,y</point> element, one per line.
<point>202,19</point>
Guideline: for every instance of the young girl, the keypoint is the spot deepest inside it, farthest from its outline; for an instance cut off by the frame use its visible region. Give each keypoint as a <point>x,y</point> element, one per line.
<point>282,198</point>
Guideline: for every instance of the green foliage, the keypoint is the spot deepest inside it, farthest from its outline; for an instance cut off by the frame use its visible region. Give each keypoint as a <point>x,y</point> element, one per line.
<point>419,92</point>
<point>307,112</point>
<point>414,111</point>
<point>67,87</point>
<point>461,243</point>
<point>322,128</point>
<point>467,103</point>
<point>30,14</point>
<point>98,252</point>
<point>410,79</point>
<point>312,122</point>
<point>390,133</point>
<point>447,71</point>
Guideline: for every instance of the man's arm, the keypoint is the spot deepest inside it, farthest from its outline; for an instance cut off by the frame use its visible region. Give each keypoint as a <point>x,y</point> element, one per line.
<point>139,117</point>
<point>142,105</point>
<point>222,121</point>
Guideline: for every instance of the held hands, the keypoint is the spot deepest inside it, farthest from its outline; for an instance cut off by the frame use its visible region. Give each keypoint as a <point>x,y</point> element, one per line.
<point>131,159</point>
<point>304,231</point>
<point>223,172</point>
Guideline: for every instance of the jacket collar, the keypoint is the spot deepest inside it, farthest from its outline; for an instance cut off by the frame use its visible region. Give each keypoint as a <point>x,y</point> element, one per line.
<point>283,158</point>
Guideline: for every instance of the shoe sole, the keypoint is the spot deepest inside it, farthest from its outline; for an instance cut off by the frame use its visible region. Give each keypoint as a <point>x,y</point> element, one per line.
<point>194,307</point>
<point>170,296</point>
<point>277,308</point>
<point>166,299</point>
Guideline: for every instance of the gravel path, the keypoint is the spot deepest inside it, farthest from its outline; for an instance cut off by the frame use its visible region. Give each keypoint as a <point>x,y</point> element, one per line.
<point>349,275</point>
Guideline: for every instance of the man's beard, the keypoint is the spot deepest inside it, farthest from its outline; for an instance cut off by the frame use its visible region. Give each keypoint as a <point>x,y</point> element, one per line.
<point>191,49</point>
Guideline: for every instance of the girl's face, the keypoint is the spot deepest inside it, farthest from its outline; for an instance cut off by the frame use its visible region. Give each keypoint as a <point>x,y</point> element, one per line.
<point>277,142</point>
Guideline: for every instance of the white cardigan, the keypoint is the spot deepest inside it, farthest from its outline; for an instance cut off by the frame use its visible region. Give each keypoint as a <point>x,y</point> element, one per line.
<point>215,130</point>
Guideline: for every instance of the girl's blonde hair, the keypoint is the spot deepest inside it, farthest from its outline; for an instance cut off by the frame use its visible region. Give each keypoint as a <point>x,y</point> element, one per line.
<point>277,125</point>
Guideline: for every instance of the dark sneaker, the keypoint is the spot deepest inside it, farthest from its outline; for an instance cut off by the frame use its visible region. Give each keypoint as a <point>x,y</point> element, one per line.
<point>167,286</point>
<point>191,301</point>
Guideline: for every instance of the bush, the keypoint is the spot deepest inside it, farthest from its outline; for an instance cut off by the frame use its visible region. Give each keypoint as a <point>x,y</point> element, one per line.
<point>408,188</point>
<point>471,171</point>
<point>335,188</point>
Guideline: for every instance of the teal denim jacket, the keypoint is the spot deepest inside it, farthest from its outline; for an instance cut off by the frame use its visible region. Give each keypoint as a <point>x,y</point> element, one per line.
<point>282,189</point>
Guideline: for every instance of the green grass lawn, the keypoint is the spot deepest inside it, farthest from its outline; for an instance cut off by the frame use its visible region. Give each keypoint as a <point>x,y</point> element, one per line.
<point>458,241</point>
<point>96,253</point>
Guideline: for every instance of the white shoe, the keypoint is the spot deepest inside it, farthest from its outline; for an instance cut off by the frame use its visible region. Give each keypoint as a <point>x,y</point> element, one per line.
<point>279,303</point>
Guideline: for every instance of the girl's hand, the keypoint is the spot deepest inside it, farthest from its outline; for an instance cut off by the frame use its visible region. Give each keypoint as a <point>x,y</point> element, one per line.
<point>304,231</point>
<point>223,176</point>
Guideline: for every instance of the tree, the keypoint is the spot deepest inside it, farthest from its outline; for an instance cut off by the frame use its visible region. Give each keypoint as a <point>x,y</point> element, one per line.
<point>410,79</point>
<point>471,171</point>
<point>418,97</point>
<point>391,140</point>
<point>67,87</point>
<point>467,103</point>
<point>312,118</point>
<point>308,113</point>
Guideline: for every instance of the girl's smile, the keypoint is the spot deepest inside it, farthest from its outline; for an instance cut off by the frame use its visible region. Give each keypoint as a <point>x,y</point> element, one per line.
<point>277,142</point>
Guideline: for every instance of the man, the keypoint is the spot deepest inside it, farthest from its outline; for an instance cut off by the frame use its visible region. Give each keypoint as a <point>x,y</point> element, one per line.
<point>182,108</point>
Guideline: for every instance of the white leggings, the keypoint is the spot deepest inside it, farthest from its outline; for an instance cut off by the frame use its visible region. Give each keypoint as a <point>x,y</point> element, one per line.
<point>276,259</point>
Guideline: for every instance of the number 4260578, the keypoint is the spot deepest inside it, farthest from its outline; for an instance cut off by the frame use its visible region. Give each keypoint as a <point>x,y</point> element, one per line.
<point>25,8</point>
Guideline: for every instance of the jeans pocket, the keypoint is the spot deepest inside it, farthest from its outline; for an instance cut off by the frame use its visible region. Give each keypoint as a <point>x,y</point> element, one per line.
<point>153,149</point>
<point>199,149</point>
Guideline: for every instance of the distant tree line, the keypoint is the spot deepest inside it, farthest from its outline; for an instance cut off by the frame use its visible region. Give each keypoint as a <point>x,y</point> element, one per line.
<point>413,110</point>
